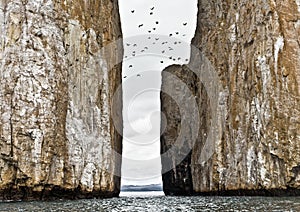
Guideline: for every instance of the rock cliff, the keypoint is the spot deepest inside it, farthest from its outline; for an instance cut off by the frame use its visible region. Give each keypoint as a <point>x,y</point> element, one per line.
<point>56,93</point>
<point>251,124</point>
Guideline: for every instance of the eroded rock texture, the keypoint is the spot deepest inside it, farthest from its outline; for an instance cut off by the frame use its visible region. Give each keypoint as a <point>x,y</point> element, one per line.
<point>56,130</point>
<point>254,48</point>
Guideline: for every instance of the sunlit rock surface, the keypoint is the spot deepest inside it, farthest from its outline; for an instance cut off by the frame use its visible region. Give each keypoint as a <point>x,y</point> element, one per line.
<point>56,130</point>
<point>254,49</point>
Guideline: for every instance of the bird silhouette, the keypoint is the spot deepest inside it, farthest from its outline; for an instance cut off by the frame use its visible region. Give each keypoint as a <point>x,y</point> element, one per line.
<point>161,61</point>
<point>149,38</point>
<point>151,13</point>
<point>152,8</point>
<point>163,51</point>
<point>177,33</point>
<point>130,66</point>
<point>156,38</point>
<point>138,75</point>
<point>170,35</point>
<point>128,44</point>
<point>154,28</point>
<point>132,11</point>
<point>184,24</point>
<point>149,31</point>
<point>141,25</point>
<point>135,45</point>
<point>157,22</point>
<point>125,77</point>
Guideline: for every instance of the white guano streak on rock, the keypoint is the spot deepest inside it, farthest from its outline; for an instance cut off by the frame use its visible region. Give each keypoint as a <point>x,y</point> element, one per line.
<point>298,5</point>
<point>37,135</point>
<point>250,159</point>
<point>2,30</point>
<point>232,33</point>
<point>278,46</point>
<point>265,72</point>
<point>87,176</point>
<point>262,169</point>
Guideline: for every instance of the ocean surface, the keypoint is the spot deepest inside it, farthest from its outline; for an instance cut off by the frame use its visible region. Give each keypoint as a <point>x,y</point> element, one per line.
<point>156,201</point>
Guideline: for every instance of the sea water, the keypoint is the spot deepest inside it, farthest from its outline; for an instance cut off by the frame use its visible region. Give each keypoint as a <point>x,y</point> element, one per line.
<point>156,201</point>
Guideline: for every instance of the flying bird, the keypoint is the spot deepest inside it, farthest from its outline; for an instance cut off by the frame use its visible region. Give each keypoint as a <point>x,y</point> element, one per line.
<point>151,13</point>
<point>132,11</point>
<point>141,25</point>
<point>161,61</point>
<point>152,8</point>
<point>157,22</point>
<point>138,75</point>
<point>177,33</point>
<point>184,24</point>
<point>170,35</point>
<point>128,44</point>
<point>149,31</point>
<point>163,51</point>
<point>135,45</point>
<point>154,28</point>
<point>130,66</point>
<point>156,38</point>
<point>125,77</point>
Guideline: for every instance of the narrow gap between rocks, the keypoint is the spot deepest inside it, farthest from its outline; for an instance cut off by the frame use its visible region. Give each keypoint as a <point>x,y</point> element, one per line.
<point>156,34</point>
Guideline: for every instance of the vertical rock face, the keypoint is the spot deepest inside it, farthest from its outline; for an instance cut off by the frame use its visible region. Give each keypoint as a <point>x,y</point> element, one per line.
<point>57,135</point>
<point>254,48</point>
<point>179,89</point>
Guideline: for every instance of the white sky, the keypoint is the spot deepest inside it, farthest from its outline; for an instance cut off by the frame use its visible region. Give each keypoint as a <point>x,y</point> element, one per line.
<point>147,51</point>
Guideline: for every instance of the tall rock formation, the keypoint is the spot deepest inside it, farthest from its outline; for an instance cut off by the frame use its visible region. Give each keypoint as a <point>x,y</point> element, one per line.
<point>57,136</point>
<point>252,125</point>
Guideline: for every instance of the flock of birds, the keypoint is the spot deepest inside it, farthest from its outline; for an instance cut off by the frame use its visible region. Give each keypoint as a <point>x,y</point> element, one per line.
<point>168,44</point>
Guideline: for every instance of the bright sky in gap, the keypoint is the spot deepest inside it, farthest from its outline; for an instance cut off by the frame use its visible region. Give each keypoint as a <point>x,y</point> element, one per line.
<point>156,34</point>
